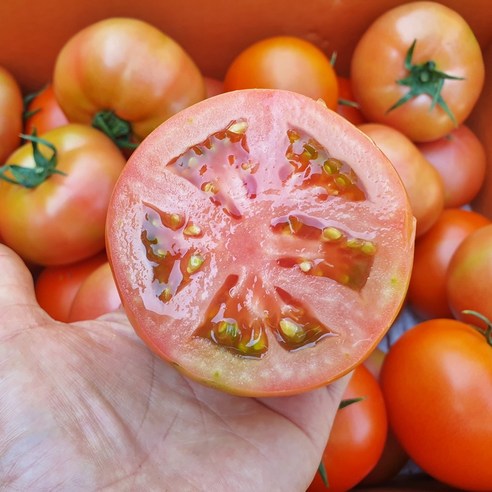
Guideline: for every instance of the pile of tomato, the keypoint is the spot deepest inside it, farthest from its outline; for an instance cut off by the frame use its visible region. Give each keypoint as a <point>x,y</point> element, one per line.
<point>424,397</point>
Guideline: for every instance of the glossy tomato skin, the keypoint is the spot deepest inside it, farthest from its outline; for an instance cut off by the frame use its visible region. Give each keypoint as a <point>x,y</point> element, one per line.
<point>378,62</point>
<point>11,106</point>
<point>218,230</point>
<point>460,159</point>
<point>422,182</point>
<point>129,67</point>
<point>62,220</point>
<point>44,112</point>
<point>96,296</point>
<point>437,384</point>
<point>56,286</point>
<point>357,436</point>
<point>284,62</point>
<point>468,284</point>
<point>433,252</point>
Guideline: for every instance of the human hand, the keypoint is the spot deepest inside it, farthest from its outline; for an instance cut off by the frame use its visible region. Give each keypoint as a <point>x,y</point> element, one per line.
<point>87,406</point>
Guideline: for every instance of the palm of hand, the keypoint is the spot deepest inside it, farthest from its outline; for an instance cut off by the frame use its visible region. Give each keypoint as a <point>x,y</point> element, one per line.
<point>88,406</point>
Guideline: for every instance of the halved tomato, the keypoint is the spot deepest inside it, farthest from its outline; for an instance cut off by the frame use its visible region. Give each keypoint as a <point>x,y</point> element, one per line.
<point>260,242</point>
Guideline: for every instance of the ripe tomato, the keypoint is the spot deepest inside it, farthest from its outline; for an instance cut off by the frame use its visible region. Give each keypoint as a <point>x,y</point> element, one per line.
<point>60,218</point>
<point>124,76</point>
<point>347,105</point>
<point>260,242</point>
<point>460,159</point>
<point>284,62</point>
<point>433,252</point>
<point>213,86</point>
<point>422,182</point>
<point>357,436</point>
<point>96,296</point>
<point>56,286</point>
<point>468,282</point>
<point>43,112</point>
<point>11,105</point>
<point>437,383</point>
<point>418,68</point>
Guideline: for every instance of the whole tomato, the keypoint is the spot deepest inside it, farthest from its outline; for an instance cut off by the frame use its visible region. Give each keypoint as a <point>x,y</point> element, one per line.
<point>418,68</point>
<point>357,436</point>
<point>59,187</point>
<point>11,105</point>
<point>43,113</point>
<point>433,252</point>
<point>437,385</point>
<point>125,77</point>
<point>284,62</point>
<point>421,180</point>
<point>468,282</point>
<point>460,159</point>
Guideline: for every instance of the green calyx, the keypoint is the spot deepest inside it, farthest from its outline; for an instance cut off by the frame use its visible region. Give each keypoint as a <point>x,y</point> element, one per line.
<point>116,128</point>
<point>487,332</point>
<point>424,79</point>
<point>31,177</point>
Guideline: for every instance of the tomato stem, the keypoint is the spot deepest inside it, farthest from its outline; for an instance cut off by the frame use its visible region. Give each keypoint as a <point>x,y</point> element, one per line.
<point>31,177</point>
<point>323,474</point>
<point>116,128</point>
<point>424,79</point>
<point>487,332</point>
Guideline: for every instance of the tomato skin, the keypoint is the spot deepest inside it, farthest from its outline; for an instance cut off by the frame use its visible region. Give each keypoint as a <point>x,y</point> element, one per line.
<point>433,252</point>
<point>129,67</point>
<point>45,112</point>
<point>378,63</point>
<point>56,286</point>
<point>284,62</point>
<point>173,180</point>
<point>422,182</point>
<point>468,284</point>
<point>213,86</point>
<point>437,384</point>
<point>96,296</point>
<point>11,105</point>
<point>62,220</point>
<point>357,436</point>
<point>351,113</point>
<point>460,159</point>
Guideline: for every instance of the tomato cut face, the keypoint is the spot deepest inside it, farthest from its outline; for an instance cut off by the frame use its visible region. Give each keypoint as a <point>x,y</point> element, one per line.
<point>260,242</point>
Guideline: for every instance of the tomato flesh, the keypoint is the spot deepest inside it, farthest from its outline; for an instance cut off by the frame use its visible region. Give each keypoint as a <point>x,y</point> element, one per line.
<point>253,254</point>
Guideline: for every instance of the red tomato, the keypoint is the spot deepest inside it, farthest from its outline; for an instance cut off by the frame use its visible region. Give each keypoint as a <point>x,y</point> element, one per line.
<point>437,384</point>
<point>347,106</point>
<point>265,250</point>
<point>213,86</point>
<point>422,182</point>
<point>418,68</point>
<point>96,296</point>
<point>60,218</point>
<point>357,437</point>
<point>124,76</point>
<point>460,159</point>
<point>284,62</point>
<point>56,286</point>
<point>44,112</point>
<point>468,282</point>
<point>11,105</point>
<point>433,252</point>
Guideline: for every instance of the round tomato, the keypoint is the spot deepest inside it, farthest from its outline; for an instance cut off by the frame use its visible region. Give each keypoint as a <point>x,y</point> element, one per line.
<point>437,384</point>
<point>284,62</point>
<point>59,188</point>
<point>357,436</point>
<point>347,105</point>
<point>43,113</point>
<point>422,182</point>
<point>125,77</point>
<point>96,296</point>
<point>418,68</point>
<point>468,282</point>
<point>433,252</point>
<point>260,242</point>
<point>11,105</point>
<point>460,159</point>
<point>56,286</point>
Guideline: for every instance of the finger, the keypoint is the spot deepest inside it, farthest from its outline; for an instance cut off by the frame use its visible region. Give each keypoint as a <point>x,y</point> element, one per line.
<point>16,282</point>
